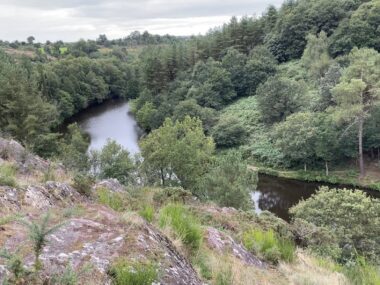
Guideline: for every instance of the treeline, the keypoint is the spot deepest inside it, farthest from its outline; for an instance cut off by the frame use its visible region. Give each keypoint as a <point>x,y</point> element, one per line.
<point>313,89</point>
<point>36,98</point>
<point>307,75</point>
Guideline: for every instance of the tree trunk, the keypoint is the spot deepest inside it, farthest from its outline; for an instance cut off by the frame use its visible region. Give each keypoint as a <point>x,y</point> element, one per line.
<point>360,137</point>
<point>304,167</point>
<point>327,168</point>
<point>162,177</point>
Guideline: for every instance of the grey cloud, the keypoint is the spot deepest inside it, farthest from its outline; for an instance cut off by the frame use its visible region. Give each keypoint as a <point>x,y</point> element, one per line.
<point>74,19</point>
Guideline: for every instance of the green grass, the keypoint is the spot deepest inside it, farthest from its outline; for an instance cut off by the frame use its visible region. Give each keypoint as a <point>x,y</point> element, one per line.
<point>8,175</point>
<point>63,50</point>
<point>127,273</point>
<point>269,245</point>
<point>147,213</point>
<point>110,199</point>
<point>362,273</point>
<point>9,218</point>
<point>184,225</point>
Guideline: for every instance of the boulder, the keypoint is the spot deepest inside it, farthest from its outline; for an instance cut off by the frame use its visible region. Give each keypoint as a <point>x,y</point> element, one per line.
<point>222,242</point>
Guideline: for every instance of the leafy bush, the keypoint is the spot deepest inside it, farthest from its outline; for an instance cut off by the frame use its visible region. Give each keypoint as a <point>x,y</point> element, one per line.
<point>229,182</point>
<point>7,175</point>
<point>111,199</point>
<point>147,213</point>
<point>350,215</point>
<point>171,194</point>
<point>183,224</point>
<point>269,245</point>
<point>127,273</point>
<point>229,132</point>
<point>83,183</point>
<point>113,161</point>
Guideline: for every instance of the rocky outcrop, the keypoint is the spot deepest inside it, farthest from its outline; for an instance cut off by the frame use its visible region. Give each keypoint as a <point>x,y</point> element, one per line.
<point>42,197</point>
<point>112,185</point>
<point>13,151</point>
<point>9,199</point>
<point>222,242</point>
<point>98,238</point>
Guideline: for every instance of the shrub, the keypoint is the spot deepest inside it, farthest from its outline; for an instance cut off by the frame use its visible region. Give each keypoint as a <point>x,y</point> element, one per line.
<point>360,272</point>
<point>127,273</point>
<point>111,199</point>
<point>83,183</point>
<point>183,224</point>
<point>171,194</point>
<point>38,234</point>
<point>7,175</point>
<point>147,213</point>
<point>229,182</point>
<point>269,245</point>
<point>350,215</point>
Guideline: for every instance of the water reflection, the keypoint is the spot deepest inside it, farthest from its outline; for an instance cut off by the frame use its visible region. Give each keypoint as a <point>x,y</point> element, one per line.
<point>277,194</point>
<point>110,120</point>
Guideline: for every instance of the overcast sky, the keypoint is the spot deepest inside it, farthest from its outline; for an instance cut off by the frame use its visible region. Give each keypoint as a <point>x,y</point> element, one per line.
<point>70,20</point>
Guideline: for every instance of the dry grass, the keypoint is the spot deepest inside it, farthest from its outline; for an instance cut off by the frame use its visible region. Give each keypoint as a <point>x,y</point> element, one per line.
<point>306,271</point>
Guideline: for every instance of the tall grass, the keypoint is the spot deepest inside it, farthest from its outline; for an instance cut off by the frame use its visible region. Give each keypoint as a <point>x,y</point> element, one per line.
<point>147,213</point>
<point>8,175</point>
<point>362,273</point>
<point>184,225</point>
<point>110,199</point>
<point>269,245</point>
<point>133,273</point>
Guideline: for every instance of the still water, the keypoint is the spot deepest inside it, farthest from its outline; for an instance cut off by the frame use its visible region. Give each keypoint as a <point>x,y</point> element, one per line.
<point>112,120</point>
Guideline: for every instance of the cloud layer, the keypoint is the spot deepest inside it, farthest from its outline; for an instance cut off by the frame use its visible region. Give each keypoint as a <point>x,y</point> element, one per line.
<point>70,20</point>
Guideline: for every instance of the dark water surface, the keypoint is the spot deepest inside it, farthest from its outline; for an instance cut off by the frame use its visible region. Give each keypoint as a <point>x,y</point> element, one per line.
<point>277,194</point>
<point>112,120</point>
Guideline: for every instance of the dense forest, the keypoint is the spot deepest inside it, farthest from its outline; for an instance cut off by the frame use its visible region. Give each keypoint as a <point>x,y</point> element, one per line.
<point>297,88</point>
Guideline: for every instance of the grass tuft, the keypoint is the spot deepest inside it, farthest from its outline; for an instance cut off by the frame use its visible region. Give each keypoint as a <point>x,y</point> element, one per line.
<point>127,273</point>
<point>184,225</point>
<point>269,245</point>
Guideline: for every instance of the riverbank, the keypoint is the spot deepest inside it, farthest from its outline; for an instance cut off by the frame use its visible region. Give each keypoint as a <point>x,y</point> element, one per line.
<point>347,178</point>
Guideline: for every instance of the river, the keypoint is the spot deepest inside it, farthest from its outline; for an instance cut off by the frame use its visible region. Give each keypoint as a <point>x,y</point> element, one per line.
<point>112,119</point>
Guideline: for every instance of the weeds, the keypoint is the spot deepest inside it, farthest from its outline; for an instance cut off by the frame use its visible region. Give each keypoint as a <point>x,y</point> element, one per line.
<point>38,233</point>
<point>125,272</point>
<point>147,213</point>
<point>183,224</point>
<point>7,175</point>
<point>269,245</point>
<point>111,199</point>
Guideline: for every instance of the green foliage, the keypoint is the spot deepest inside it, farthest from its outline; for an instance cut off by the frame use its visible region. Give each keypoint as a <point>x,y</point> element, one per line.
<point>361,272</point>
<point>38,233</point>
<point>224,277</point>
<point>126,272</point>
<point>113,161</point>
<point>229,132</point>
<point>229,182</point>
<point>177,151</point>
<point>278,98</point>
<point>360,30</point>
<point>269,245</point>
<point>113,200</point>
<point>172,195</point>
<point>147,212</point>
<point>83,184</point>
<point>15,266</point>
<point>8,175</point>
<point>73,149</point>
<point>184,225</point>
<point>350,215</point>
